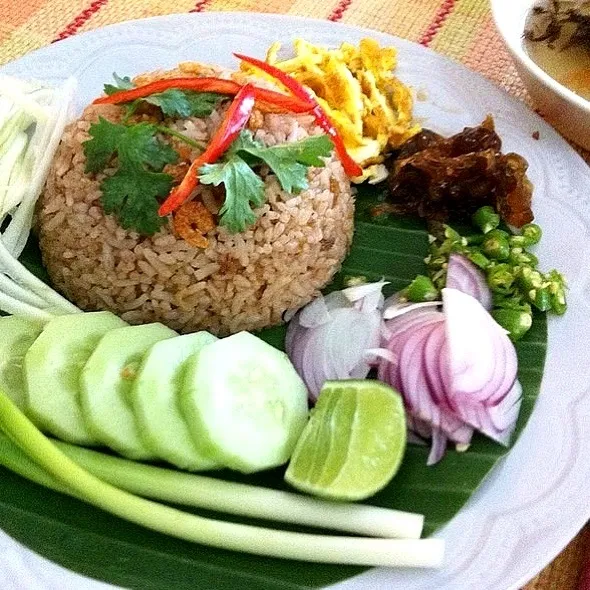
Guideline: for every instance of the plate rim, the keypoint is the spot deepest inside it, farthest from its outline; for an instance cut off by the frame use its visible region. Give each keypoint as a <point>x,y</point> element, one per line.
<point>323,23</point>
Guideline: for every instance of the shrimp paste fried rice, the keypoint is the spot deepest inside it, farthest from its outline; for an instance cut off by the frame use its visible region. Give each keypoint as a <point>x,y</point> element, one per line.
<point>243,281</point>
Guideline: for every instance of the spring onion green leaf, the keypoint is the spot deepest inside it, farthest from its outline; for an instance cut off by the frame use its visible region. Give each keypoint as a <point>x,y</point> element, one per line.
<point>226,535</point>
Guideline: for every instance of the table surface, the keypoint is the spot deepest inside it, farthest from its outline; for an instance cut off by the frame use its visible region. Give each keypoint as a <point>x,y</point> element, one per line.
<point>461,29</point>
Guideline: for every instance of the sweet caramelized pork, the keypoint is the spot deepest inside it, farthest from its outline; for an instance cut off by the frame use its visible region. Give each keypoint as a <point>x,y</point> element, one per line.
<point>437,178</point>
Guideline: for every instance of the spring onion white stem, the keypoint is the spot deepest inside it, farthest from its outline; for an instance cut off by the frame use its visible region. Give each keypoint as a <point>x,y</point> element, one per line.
<point>222,496</point>
<point>226,535</point>
<point>236,498</point>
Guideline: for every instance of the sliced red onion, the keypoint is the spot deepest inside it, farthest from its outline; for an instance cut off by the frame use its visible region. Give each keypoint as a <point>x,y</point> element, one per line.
<point>329,338</point>
<point>464,276</point>
<point>389,372</point>
<point>482,360</point>
<point>372,354</point>
<point>456,371</point>
<point>504,416</point>
<point>438,448</point>
<point>414,439</point>
<point>402,308</point>
<point>455,368</point>
<point>362,291</point>
<point>432,353</point>
<point>315,314</point>
<point>421,429</point>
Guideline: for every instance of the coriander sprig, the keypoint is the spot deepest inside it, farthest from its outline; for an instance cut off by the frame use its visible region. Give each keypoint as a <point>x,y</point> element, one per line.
<point>132,192</point>
<point>244,187</point>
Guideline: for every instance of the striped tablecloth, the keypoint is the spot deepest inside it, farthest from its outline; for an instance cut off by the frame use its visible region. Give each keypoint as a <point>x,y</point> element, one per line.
<point>460,29</point>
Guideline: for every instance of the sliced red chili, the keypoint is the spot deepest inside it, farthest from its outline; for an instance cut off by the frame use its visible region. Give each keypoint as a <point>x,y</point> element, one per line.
<point>266,98</point>
<point>299,91</point>
<point>235,120</point>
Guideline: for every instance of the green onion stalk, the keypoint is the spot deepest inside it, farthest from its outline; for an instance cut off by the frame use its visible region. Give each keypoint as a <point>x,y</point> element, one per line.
<point>68,475</point>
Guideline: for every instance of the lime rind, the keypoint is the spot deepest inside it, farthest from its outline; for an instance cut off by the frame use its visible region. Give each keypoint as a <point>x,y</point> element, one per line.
<point>353,444</point>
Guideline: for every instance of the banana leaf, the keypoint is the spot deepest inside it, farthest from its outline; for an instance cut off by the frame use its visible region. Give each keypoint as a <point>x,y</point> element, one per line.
<point>96,544</point>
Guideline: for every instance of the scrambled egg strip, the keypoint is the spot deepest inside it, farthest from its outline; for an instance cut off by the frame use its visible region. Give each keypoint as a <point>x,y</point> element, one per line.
<point>369,106</point>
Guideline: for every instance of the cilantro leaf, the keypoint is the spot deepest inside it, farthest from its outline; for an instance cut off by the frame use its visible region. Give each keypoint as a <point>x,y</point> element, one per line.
<point>138,146</point>
<point>132,192</point>
<point>289,161</point>
<point>185,103</point>
<point>242,187</point>
<point>174,102</point>
<point>100,149</point>
<point>120,84</point>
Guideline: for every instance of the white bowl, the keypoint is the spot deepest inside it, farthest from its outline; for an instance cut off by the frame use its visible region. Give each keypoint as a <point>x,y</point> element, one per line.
<point>563,108</point>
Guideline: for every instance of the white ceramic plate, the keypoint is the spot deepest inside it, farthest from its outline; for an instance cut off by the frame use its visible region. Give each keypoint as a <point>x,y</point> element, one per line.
<point>536,499</point>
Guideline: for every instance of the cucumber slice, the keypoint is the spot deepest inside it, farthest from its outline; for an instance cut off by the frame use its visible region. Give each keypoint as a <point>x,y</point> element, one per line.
<point>106,382</point>
<point>52,369</point>
<point>244,403</point>
<point>16,337</point>
<point>154,399</point>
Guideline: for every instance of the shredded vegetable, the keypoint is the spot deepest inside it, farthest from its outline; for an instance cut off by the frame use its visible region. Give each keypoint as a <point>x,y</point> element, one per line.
<point>32,121</point>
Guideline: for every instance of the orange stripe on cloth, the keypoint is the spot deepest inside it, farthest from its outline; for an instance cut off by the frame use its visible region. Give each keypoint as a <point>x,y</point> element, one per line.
<point>459,29</point>
<point>269,7</point>
<point>486,54</point>
<point>116,11</point>
<point>78,22</point>
<point>13,14</point>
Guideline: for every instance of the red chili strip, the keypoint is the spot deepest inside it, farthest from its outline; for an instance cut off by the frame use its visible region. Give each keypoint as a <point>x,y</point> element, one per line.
<point>299,91</point>
<point>235,120</point>
<point>264,96</point>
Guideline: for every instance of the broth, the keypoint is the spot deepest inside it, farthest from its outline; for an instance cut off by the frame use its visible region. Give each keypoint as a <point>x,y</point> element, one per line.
<point>565,53</point>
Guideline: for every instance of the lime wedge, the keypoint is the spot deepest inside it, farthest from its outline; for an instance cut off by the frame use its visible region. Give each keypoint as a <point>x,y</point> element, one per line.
<point>353,443</point>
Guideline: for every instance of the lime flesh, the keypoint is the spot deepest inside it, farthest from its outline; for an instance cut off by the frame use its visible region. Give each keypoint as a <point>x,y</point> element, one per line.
<point>353,443</point>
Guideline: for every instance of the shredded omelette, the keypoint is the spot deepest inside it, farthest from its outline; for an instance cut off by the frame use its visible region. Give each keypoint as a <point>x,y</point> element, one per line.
<point>369,106</point>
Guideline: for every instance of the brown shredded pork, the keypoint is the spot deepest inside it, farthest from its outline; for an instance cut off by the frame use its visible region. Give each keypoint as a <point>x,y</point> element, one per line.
<point>437,178</point>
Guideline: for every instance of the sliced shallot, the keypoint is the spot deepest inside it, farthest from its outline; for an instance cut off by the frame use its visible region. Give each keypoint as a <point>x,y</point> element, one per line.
<point>456,371</point>
<point>330,338</point>
<point>464,276</point>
